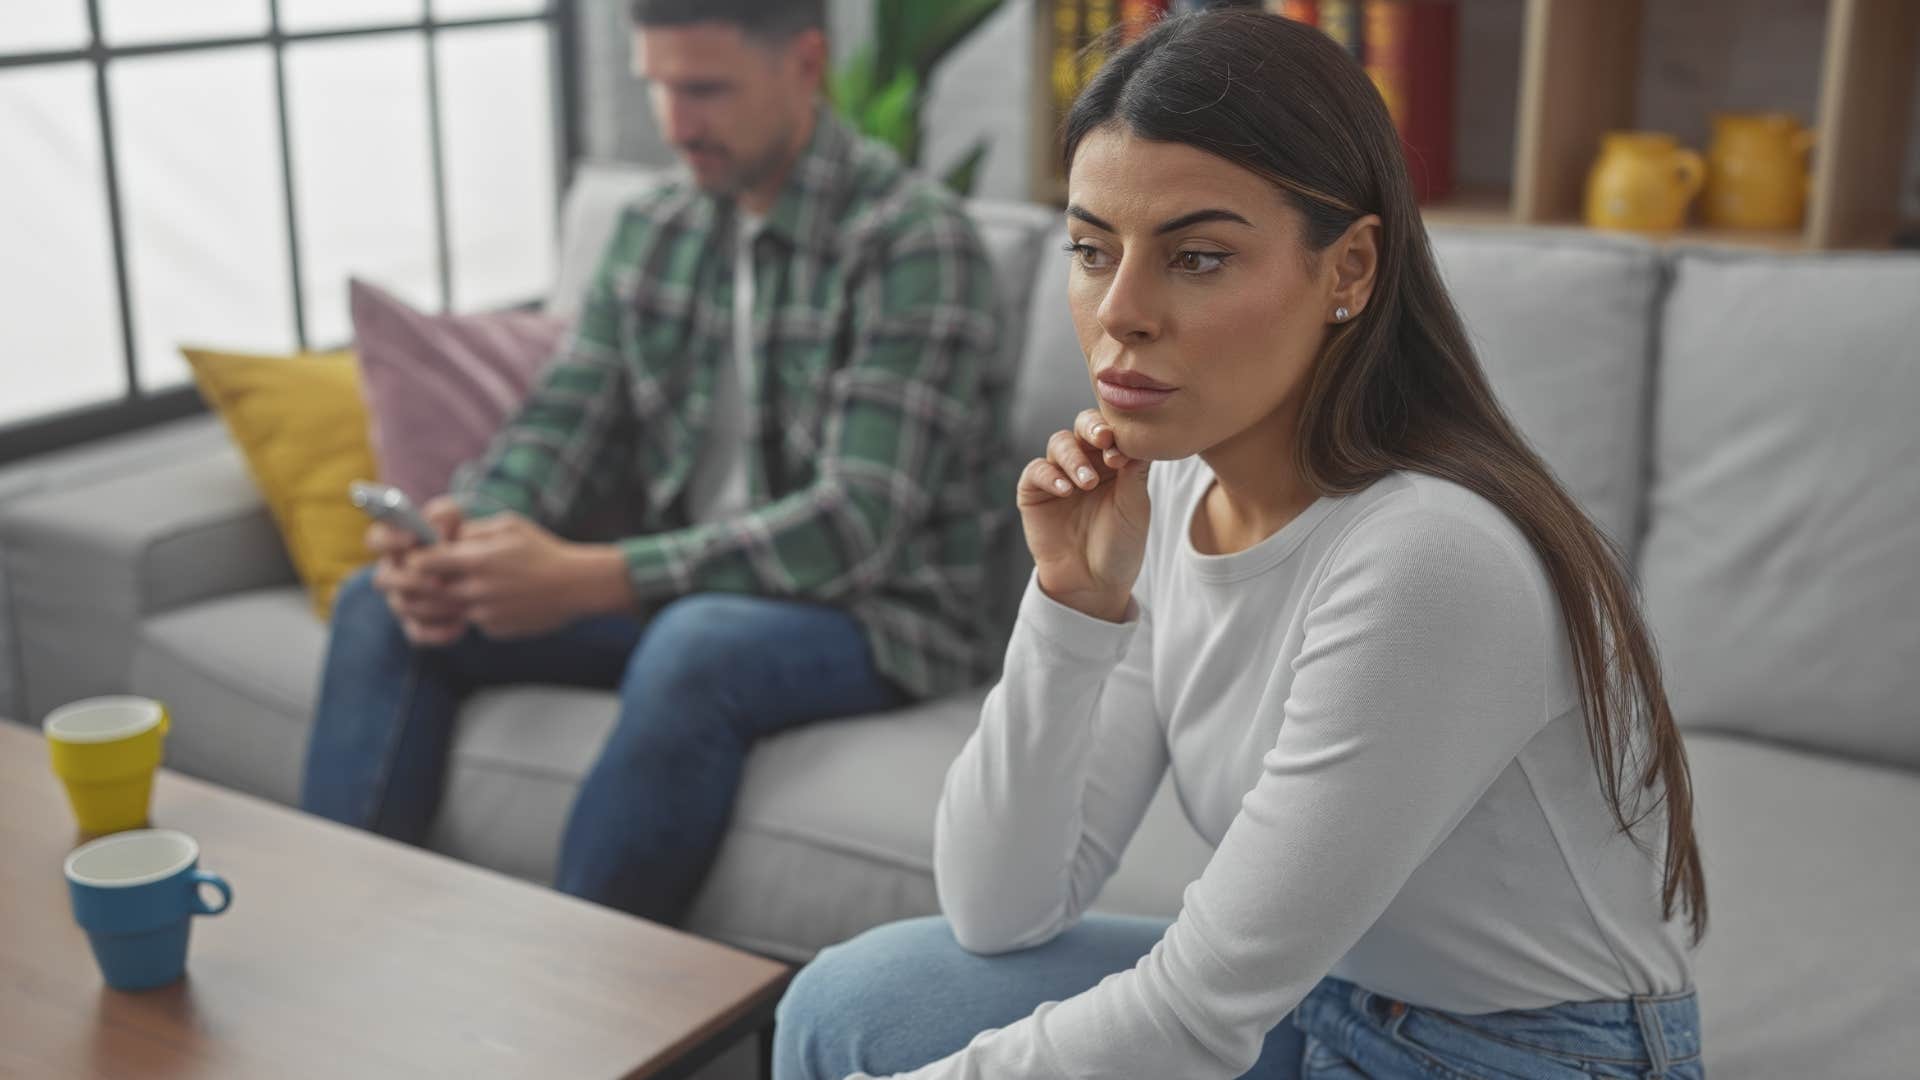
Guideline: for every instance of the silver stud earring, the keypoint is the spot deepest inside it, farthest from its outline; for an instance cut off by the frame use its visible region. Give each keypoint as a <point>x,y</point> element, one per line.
<point>1340,314</point>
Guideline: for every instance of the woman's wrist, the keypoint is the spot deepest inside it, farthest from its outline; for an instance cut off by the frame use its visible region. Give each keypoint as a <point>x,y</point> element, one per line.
<point>1095,604</point>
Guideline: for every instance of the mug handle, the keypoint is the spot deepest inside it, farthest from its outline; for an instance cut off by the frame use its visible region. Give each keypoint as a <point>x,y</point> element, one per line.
<point>1692,169</point>
<point>200,905</point>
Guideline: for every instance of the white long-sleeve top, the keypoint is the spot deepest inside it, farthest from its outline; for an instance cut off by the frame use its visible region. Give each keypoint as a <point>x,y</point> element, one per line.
<point>1372,717</point>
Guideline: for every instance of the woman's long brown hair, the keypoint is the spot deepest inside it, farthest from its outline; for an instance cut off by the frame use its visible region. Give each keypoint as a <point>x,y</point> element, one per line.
<point>1399,387</point>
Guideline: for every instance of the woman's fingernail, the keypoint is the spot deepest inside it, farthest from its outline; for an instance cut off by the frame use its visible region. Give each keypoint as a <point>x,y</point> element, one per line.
<point>1086,475</point>
<point>1061,486</point>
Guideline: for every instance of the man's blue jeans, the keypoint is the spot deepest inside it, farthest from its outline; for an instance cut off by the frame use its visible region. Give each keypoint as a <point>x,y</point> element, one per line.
<point>699,682</point>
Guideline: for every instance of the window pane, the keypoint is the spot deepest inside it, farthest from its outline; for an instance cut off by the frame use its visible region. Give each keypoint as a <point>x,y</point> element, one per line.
<point>496,103</point>
<point>126,22</point>
<point>296,15</point>
<point>205,214</point>
<point>446,10</point>
<point>37,25</point>
<point>363,180</point>
<point>60,339</point>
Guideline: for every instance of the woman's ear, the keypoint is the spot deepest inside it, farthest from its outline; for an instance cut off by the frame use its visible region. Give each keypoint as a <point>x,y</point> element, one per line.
<point>1355,259</point>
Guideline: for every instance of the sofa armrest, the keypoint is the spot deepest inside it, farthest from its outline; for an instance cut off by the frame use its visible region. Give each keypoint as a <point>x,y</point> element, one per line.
<point>85,565</point>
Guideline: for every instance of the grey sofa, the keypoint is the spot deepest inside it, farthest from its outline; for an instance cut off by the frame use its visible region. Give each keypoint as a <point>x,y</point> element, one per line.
<point>1743,425</point>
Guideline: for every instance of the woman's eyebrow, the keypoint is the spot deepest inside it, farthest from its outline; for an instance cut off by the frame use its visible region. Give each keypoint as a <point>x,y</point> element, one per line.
<point>1181,222</point>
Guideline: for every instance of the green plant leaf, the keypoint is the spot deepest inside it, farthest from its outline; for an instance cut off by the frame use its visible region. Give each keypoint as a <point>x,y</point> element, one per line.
<point>965,173</point>
<point>851,85</point>
<point>930,29</point>
<point>893,116</point>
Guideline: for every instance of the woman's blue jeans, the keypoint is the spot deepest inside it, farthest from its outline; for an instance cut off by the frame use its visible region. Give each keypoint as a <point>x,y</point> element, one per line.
<point>904,995</point>
<point>698,682</point>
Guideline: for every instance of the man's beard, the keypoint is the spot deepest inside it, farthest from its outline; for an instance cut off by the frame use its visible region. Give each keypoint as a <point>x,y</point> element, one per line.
<point>752,173</point>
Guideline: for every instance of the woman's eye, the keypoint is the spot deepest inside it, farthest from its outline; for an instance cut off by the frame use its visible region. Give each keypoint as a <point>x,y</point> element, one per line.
<point>1199,262</point>
<point>1088,256</point>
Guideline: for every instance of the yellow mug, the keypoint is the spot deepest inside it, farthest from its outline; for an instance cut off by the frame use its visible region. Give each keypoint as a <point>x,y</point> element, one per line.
<point>1642,181</point>
<point>1757,171</point>
<point>104,751</point>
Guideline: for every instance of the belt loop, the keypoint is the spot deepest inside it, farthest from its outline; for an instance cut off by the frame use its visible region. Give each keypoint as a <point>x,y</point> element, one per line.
<point>1652,1035</point>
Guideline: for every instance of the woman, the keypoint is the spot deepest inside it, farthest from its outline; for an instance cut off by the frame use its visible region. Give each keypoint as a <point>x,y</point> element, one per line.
<point>1398,676</point>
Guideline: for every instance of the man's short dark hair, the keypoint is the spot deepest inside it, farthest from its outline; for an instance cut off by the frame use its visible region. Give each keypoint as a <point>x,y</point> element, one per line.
<point>769,20</point>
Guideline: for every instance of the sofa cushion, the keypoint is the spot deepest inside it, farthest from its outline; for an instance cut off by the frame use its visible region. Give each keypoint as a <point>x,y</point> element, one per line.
<point>1563,326</point>
<point>301,423</point>
<point>439,386</point>
<point>1782,562</point>
<point>238,675</point>
<point>600,190</point>
<point>1052,385</point>
<point>1813,864</point>
<point>87,563</point>
<point>832,831</point>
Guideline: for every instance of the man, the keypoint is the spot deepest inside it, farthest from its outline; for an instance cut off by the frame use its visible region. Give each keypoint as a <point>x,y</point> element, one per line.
<point>784,376</point>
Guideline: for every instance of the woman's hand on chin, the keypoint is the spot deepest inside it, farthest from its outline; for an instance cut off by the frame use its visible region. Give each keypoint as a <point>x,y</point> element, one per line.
<point>1084,508</point>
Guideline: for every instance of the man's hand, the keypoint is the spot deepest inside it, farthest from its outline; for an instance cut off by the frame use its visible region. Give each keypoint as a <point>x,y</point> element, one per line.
<point>515,579</point>
<point>429,614</point>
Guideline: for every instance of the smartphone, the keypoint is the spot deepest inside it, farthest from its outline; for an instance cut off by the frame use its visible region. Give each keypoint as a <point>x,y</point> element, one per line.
<point>389,505</point>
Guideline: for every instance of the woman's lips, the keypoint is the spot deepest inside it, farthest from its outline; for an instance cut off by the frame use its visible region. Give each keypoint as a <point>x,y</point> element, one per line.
<point>1131,391</point>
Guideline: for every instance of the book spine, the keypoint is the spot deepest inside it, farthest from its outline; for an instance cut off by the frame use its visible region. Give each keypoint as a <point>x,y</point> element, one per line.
<point>1388,62</point>
<point>1140,15</point>
<point>1300,11</point>
<point>1431,57</point>
<point>1342,22</point>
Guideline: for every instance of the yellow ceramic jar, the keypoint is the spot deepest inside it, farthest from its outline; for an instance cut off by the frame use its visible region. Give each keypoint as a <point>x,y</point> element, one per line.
<point>1642,181</point>
<point>1757,171</point>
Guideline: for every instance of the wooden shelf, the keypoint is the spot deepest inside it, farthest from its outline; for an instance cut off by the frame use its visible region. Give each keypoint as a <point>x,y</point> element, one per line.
<point>1471,206</point>
<point>1865,106</point>
<point>1579,76</point>
<point>1698,236</point>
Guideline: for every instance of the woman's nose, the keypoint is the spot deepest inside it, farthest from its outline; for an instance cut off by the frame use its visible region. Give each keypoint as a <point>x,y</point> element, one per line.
<point>1130,310</point>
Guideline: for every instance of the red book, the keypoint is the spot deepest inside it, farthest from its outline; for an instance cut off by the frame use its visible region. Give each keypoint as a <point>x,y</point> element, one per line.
<point>1138,15</point>
<point>1301,11</point>
<point>1411,49</point>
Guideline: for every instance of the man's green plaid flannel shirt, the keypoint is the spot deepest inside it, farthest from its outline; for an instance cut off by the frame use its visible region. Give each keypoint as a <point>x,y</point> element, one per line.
<point>879,474</point>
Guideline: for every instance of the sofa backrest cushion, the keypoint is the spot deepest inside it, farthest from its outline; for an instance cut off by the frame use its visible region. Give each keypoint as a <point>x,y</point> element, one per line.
<point>589,213</point>
<point>1563,325</point>
<point>1782,561</point>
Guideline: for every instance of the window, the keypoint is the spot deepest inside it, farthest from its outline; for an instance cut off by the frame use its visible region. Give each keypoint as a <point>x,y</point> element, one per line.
<point>211,173</point>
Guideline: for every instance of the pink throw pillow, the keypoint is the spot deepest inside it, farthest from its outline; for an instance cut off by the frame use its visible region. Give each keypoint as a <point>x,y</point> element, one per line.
<point>439,386</point>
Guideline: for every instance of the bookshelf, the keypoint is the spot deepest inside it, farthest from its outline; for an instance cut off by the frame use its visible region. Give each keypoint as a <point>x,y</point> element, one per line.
<point>1579,74</point>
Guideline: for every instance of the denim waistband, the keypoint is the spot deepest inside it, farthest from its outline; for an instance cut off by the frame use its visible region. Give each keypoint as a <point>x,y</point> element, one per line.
<point>1651,1032</point>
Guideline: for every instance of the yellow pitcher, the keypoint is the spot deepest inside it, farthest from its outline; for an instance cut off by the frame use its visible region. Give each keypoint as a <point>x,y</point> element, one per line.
<point>105,751</point>
<point>1642,181</point>
<point>1757,171</point>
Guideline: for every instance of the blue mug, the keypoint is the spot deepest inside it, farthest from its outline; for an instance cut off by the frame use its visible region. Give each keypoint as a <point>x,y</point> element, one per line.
<point>135,894</point>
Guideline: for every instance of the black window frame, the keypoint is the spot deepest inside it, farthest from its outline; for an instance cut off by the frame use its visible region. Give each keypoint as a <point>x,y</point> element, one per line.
<point>137,409</point>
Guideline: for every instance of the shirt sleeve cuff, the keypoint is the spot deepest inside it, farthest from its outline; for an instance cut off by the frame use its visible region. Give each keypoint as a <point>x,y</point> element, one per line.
<point>1079,635</point>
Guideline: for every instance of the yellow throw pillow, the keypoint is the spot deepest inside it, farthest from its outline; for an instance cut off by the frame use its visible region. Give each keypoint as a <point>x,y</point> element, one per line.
<point>302,425</point>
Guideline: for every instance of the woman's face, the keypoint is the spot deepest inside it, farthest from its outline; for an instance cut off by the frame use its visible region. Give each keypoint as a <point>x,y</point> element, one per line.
<point>1198,306</point>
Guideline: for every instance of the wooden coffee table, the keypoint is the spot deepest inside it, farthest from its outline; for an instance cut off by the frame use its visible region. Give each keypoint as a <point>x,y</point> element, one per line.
<point>346,955</point>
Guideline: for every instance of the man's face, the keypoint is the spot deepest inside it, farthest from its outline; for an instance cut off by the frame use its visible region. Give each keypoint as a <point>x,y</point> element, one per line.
<point>729,103</point>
